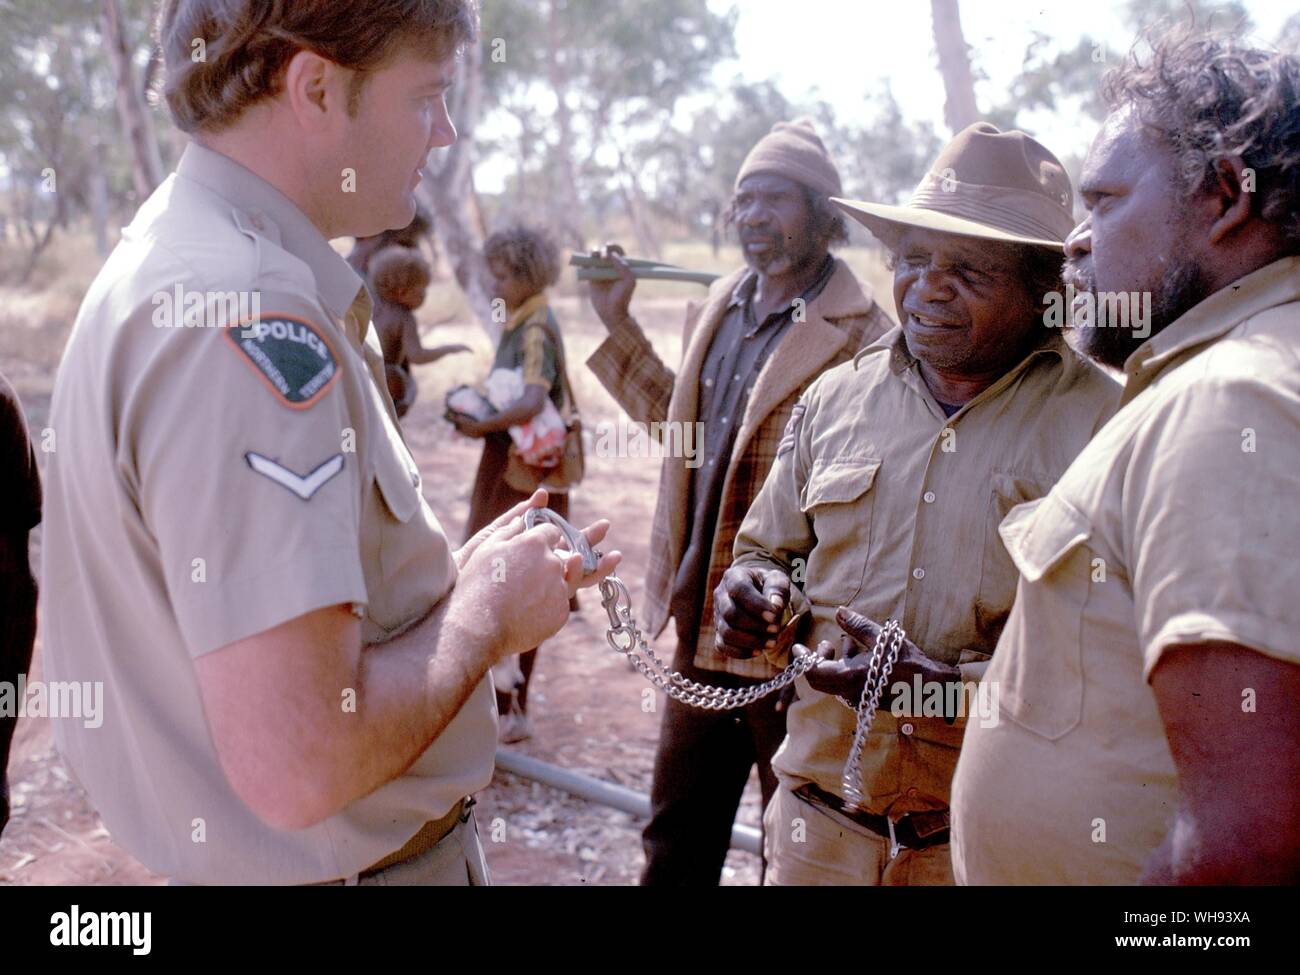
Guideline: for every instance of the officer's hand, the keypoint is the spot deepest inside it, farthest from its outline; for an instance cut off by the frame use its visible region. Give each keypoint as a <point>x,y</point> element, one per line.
<point>611,300</point>
<point>513,589</point>
<point>538,500</point>
<point>519,586</point>
<point>605,567</point>
<point>747,608</point>
<point>847,676</point>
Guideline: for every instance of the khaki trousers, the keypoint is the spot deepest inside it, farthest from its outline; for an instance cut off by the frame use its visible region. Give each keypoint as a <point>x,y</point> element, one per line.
<point>807,846</point>
<point>455,861</point>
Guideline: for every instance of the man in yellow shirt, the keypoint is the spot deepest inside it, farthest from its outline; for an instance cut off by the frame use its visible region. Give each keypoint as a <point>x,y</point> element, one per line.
<point>1150,672</point>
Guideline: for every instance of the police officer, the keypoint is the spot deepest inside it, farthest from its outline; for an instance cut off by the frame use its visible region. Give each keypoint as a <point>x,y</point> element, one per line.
<point>293,658</point>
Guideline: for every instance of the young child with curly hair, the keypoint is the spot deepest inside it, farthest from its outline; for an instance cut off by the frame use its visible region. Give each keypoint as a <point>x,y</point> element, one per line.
<point>523,262</point>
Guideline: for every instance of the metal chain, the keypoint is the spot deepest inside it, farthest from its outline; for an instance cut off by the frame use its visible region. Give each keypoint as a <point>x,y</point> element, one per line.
<point>884,654</point>
<point>618,606</point>
<point>889,641</point>
<point>625,637</point>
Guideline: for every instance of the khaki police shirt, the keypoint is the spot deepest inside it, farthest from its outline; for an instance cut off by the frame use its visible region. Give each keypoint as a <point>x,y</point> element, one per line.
<point>210,483</point>
<point>1177,525</point>
<point>879,502</point>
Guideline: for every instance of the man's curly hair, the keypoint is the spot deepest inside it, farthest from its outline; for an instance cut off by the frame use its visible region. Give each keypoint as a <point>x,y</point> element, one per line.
<point>527,252</point>
<point>1210,97</point>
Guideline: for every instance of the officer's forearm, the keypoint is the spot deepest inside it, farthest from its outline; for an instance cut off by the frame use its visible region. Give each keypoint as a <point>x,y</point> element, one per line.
<point>305,719</point>
<point>408,690</point>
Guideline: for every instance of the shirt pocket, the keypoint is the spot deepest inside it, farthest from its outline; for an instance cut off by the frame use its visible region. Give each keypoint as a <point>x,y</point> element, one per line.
<point>838,500</point>
<point>998,575</point>
<point>1041,682</point>
<point>399,493</point>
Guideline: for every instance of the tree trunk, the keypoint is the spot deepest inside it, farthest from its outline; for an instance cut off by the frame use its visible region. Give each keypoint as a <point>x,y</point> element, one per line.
<point>448,189</point>
<point>168,150</point>
<point>146,161</point>
<point>634,201</point>
<point>570,223</point>
<point>959,108</point>
<point>97,191</point>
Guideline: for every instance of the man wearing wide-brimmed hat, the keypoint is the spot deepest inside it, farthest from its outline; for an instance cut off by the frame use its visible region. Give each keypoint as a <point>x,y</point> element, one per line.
<point>884,503</point>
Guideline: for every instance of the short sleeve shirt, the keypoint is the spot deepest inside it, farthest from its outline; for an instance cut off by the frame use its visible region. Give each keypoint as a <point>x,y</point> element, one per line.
<point>528,347</point>
<point>880,502</point>
<point>212,481</point>
<point>1177,526</point>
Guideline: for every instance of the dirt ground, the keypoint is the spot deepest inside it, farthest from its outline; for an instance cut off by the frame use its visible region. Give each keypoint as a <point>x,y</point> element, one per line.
<point>586,702</point>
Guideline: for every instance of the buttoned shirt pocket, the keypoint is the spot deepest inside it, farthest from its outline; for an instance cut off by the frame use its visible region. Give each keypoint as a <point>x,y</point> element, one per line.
<point>838,500</point>
<point>998,575</point>
<point>1041,686</point>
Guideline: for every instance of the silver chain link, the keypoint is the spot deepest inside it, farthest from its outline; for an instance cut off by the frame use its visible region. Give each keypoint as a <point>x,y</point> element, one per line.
<point>889,641</point>
<point>625,637</point>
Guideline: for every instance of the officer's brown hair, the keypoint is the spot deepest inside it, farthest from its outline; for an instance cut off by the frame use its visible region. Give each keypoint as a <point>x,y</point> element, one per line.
<point>246,45</point>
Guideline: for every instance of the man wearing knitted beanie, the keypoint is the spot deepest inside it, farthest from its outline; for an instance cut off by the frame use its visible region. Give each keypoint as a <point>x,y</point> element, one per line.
<point>764,333</point>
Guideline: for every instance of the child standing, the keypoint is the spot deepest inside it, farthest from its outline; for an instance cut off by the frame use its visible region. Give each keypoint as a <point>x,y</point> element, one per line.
<point>399,279</point>
<point>523,263</point>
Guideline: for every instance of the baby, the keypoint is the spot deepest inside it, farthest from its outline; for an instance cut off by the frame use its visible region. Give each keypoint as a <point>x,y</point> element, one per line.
<point>399,279</point>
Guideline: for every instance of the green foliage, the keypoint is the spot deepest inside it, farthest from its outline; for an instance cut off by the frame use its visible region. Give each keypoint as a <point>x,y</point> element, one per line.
<point>1058,80</point>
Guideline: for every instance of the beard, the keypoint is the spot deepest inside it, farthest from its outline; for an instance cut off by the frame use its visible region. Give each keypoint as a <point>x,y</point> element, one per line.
<point>1182,287</point>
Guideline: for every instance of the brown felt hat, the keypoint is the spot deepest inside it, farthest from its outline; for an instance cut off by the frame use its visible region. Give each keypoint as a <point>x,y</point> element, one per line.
<point>988,184</point>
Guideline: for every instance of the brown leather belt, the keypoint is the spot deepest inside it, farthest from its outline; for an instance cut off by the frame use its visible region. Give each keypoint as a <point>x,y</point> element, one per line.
<point>430,835</point>
<point>915,830</point>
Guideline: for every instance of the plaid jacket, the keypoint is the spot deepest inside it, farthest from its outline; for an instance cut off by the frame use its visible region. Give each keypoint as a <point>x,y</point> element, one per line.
<point>839,321</point>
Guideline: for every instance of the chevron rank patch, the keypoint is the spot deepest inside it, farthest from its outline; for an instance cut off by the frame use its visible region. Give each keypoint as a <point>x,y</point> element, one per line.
<point>303,485</point>
<point>791,430</point>
<point>290,355</point>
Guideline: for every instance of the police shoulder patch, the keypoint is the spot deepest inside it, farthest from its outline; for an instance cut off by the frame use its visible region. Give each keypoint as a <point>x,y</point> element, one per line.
<point>291,356</point>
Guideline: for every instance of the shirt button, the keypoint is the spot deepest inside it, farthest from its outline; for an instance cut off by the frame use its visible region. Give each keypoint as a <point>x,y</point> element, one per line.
<point>907,728</point>
<point>710,461</point>
<point>736,378</point>
<point>911,793</point>
<point>918,573</point>
<point>725,419</point>
<point>708,382</point>
<point>929,497</point>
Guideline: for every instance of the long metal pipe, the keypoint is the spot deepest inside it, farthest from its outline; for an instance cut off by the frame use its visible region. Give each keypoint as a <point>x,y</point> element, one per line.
<point>618,797</point>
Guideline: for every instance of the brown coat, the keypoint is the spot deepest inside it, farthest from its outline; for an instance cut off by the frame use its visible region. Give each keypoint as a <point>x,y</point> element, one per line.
<point>839,321</point>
